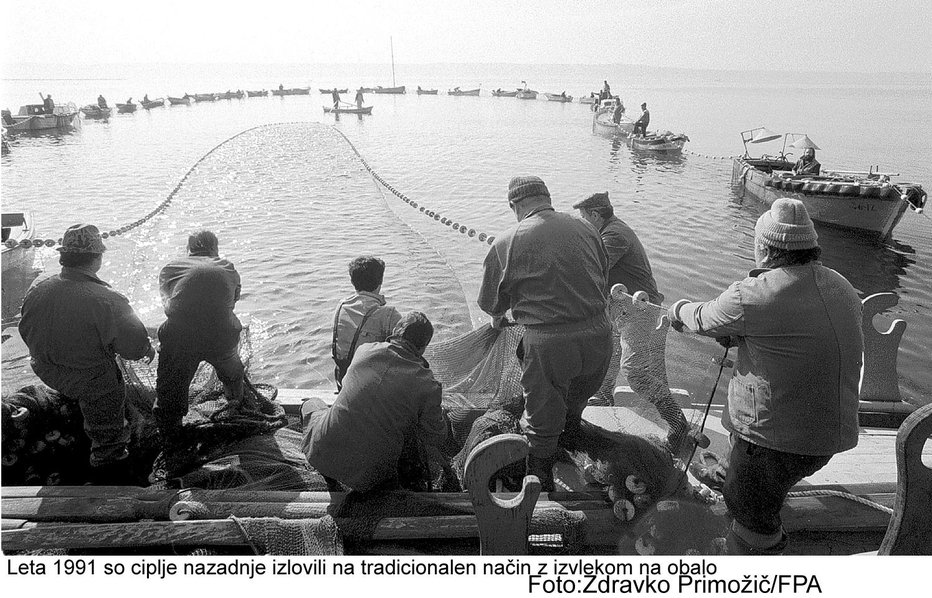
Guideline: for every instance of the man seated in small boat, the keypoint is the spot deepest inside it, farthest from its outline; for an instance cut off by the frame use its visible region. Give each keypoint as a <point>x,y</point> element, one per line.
<point>807,164</point>
<point>129,102</point>
<point>101,102</point>
<point>145,99</point>
<point>640,125</point>
<point>362,317</point>
<point>388,410</point>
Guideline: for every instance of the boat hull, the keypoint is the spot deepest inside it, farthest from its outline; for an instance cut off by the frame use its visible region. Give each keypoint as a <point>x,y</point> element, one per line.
<point>43,122</point>
<point>179,101</point>
<point>17,227</point>
<point>553,97</point>
<point>257,94</point>
<point>365,110</point>
<point>427,92</point>
<point>602,124</point>
<point>390,90</point>
<point>204,97</point>
<point>868,207</point>
<point>153,104</point>
<point>126,108</point>
<point>96,112</point>
<point>526,95</point>
<point>468,92</point>
<point>504,94</point>
<point>664,144</point>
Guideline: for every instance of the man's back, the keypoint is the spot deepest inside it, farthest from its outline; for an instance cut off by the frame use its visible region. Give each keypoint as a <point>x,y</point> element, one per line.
<point>552,268</point>
<point>201,292</point>
<point>387,393</point>
<point>75,320</point>
<point>627,260</point>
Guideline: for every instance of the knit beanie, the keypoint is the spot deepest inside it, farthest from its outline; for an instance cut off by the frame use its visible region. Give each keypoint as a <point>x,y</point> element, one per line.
<point>522,187</point>
<point>786,225</point>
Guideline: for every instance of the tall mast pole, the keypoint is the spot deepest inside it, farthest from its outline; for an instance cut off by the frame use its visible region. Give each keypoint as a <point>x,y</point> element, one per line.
<point>392,45</point>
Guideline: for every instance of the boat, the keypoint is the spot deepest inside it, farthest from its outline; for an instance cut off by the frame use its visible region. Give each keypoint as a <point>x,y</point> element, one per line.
<point>463,92</point>
<point>157,103</point>
<point>17,231</point>
<point>353,110</point>
<point>183,100</point>
<point>591,99</point>
<point>126,108</point>
<point>205,97</point>
<point>603,122</point>
<point>663,142</point>
<point>865,201</point>
<point>330,91</point>
<point>229,95</point>
<point>498,93</point>
<point>95,111</point>
<point>526,94</point>
<point>32,117</point>
<point>390,90</point>
<point>426,92</point>
<point>257,94</point>
<point>300,91</point>
<point>558,97</point>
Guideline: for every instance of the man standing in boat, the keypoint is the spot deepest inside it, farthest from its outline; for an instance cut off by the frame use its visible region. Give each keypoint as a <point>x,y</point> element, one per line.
<point>101,102</point>
<point>387,411</point>
<point>359,97</point>
<point>639,351</point>
<point>550,271</point>
<point>363,317</point>
<point>74,325</point>
<point>48,105</point>
<point>793,397</point>
<point>199,292</point>
<point>807,164</point>
<point>640,125</point>
<point>336,98</point>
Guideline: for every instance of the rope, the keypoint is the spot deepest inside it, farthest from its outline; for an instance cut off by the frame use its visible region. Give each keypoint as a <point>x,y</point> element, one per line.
<point>840,494</point>
<point>26,243</point>
<point>462,228</point>
<point>709,156</point>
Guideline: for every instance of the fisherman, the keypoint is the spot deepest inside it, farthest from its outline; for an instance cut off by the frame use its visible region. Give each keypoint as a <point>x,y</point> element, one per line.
<point>607,90</point>
<point>359,97</point>
<point>640,125</point>
<point>336,98</point>
<point>145,99</point>
<point>619,111</point>
<point>129,101</point>
<point>101,102</point>
<point>48,105</point>
<point>793,398</point>
<point>281,87</point>
<point>388,410</point>
<point>807,163</point>
<point>198,293</point>
<point>550,271</point>
<point>639,352</point>
<point>362,317</point>
<point>74,325</point>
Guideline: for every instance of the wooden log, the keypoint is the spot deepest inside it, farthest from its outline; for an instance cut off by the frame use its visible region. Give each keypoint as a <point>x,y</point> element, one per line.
<point>503,524</point>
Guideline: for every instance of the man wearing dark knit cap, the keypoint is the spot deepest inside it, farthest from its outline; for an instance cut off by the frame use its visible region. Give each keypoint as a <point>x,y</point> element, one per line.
<point>550,271</point>
<point>639,352</point>
<point>793,397</point>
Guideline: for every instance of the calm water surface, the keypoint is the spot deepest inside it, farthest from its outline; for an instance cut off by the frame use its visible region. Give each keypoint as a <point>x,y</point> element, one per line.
<point>292,203</point>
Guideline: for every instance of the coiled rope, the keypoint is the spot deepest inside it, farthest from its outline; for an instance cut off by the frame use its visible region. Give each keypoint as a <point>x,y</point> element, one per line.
<point>462,228</point>
<point>26,243</point>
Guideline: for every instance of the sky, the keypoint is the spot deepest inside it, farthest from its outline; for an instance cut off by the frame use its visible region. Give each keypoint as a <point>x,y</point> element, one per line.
<point>815,35</point>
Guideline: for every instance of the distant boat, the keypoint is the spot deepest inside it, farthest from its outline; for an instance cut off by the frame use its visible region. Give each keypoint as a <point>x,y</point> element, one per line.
<point>95,111</point>
<point>126,108</point>
<point>603,122</point>
<point>558,97</point>
<point>498,93</point>
<point>330,91</point>
<point>32,117</point>
<point>462,92</point>
<point>186,100</point>
<point>660,142</point>
<point>158,103</point>
<point>526,94</point>
<point>588,100</point>
<point>257,94</point>
<point>364,110</point>
<point>426,92</point>
<point>205,97</point>
<point>229,95</point>
<point>300,91</point>
<point>367,89</point>
<point>16,227</point>
<point>392,90</point>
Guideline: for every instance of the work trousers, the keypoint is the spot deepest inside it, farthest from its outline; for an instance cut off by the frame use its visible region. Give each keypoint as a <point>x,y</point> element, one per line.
<point>178,363</point>
<point>101,396</point>
<point>561,367</point>
<point>758,481</point>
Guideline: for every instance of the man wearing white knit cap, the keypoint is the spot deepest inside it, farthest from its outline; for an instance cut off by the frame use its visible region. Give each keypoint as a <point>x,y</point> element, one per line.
<point>793,396</point>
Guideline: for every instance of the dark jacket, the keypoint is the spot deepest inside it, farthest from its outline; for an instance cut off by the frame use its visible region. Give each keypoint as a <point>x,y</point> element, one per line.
<point>627,261</point>
<point>198,294</point>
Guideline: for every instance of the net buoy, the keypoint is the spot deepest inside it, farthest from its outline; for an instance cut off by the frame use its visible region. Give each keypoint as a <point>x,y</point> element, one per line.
<point>624,510</point>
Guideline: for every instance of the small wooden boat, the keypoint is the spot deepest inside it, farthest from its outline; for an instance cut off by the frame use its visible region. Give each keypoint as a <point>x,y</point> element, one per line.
<point>663,142</point>
<point>96,112</point>
<point>354,110</point>
<point>205,97</point>
<point>14,254</point>
<point>257,94</point>
<point>603,122</point>
<point>526,94</point>
<point>184,100</point>
<point>498,93</point>
<point>158,103</point>
<point>126,108</point>
<point>330,91</point>
<point>32,117</point>
<point>558,97</point>
<point>463,92</point>
<point>230,95</point>
<point>300,91</point>
<point>390,90</point>
<point>588,100</point>
<point>426,92</point>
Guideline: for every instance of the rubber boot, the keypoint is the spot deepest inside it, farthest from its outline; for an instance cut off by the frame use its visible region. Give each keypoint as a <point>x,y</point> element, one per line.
<point>542,467</point>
